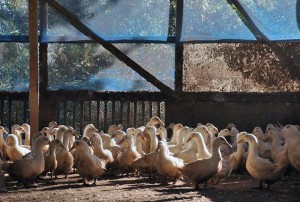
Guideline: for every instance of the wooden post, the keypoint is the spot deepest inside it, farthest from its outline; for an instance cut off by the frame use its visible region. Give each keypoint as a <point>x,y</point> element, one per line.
<point>34,68</point>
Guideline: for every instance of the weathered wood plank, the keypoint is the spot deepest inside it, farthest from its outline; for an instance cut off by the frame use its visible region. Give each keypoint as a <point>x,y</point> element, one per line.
<point>33,64</point>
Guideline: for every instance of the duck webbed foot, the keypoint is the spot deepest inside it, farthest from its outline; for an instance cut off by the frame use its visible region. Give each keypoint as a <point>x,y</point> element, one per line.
<point>95,182</point>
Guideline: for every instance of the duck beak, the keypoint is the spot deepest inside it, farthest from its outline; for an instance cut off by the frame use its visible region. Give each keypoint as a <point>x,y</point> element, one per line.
<point>143,137</point>
<point>228,145</point>
<point>62,146</point>
<point>89,143</point>
<point>73,147</point>
<point>158,147</point>
<point>190,138</point>
<point>77,135</point>
<point>114,135</point>
<point>121,142</point>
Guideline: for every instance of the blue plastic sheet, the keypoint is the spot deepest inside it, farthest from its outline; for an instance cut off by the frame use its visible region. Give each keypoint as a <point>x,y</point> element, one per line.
<point>211,20</point>
<point>113,20</point>
<point>277,19</point>
<point>94,68</point>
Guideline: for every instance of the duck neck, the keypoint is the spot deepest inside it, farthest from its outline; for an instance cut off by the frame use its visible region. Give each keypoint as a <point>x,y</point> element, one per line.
<point>99,147</point>
<point>275,142</point>
<point>139,146</point>
<point>201,147</point>
<point>131,145</point>
<point>174,136</point>
<point>179,139</point>
<point>154,142</point>
<point>18,134</point>
<point>240,149</point>
<point>253,149</point>
<point>2,139</point>
<point>163,152</point>
<point>39,153</point>
<point>66,140</point>
<point>215,152</point>
<point>52,150</point>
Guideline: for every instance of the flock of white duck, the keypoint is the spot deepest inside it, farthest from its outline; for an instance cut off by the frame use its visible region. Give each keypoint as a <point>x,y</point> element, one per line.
<point>195,155</point>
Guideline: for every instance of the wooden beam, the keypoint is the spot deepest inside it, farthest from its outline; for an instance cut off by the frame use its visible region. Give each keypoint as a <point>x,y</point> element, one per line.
<point>110,47</point>
<point>244,16</point>
<point>179,48</point>
<point>34,68</point>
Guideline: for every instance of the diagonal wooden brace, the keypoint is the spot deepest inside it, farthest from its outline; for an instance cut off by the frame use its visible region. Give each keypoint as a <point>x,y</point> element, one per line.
<point>110,47</point>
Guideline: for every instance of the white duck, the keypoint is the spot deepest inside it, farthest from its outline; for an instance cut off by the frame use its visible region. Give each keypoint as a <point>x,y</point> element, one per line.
<point>208,137</point>
<point>162,133</point>
<point>264,147</point>
<point>86,128</point>
<point>64,157</point>
<point>260,168</point>
<point>151,131</point>
<point>99,151</point>
<point>26,127</point>
<point>276,146</point>
<point>89,165</point>
<point>292,136</point>
<point>203,169</point>
<point>201,149</point>
<point>155,121</point>
<point>26,170</point>
<point>168,165</point>
<point>173,140</point>
<point>180,140</point>
<point>118,135</point>
<point>126,157</point>
<point>112,129</point>
<point>3,145</point>
<point>138,143</point>
<point>14,150</point>
<point>18,131</point>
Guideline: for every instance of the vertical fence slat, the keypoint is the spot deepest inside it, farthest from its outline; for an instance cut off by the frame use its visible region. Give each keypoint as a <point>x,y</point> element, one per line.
<point>150,109</point>
<point>135,113</point>
<point>9,113</point>
<point>158,109</point>
<point>143,113</point>
<point>90,112</point>
<point>65,113</point>
<point>24,111</point>
<point>17,111</point>
<point>74,113</point>
<point>121,111</point>
<point>128,114</point>
<point>113,111</point>
<point>81,116</point>
<point>98,114</point>
<point>105,114</point>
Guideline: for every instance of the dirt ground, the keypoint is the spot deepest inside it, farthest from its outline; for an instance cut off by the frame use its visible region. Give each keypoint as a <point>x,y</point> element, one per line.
<point>235,188</point>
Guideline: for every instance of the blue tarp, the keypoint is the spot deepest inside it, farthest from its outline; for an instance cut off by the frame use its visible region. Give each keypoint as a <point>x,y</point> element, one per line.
<point>148,20</point>
<point>211,20</point>
<point>277,19</point>
<point>113,20</point>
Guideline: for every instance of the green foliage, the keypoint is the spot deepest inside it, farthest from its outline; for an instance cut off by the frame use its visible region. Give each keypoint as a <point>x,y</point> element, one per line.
<point>14,67</point>
<point>13,17</point>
